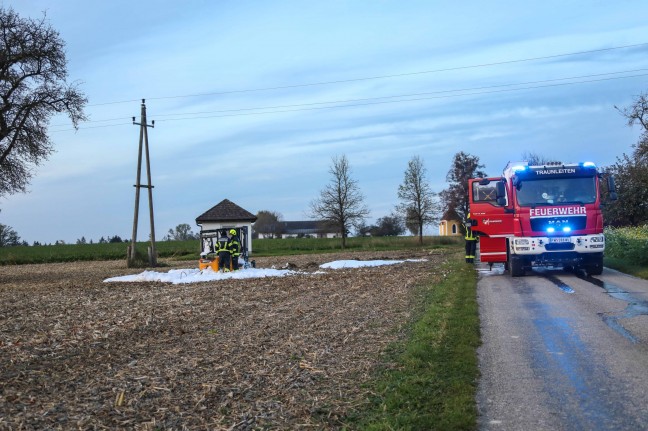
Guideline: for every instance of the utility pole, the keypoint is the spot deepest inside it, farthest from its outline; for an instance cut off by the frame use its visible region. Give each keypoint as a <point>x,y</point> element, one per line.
<point>143,143</point>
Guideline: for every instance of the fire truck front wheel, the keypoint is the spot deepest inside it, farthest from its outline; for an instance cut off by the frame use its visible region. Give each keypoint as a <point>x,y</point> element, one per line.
<point>594,265</point>
<point>516,266</point>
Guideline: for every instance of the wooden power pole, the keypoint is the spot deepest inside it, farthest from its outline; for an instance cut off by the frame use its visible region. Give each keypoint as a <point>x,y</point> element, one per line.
<point>143,142</point>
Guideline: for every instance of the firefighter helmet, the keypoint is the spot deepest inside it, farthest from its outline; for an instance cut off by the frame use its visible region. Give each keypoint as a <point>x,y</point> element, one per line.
<point>232,231</point>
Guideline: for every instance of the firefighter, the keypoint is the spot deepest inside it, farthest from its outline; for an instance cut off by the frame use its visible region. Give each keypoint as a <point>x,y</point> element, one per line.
<point>471,241</point>
<point>223,253</point>
<point>234,247</point>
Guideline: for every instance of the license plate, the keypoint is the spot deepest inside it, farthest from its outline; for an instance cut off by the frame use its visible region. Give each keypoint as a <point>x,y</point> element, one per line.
<point>559,240</point>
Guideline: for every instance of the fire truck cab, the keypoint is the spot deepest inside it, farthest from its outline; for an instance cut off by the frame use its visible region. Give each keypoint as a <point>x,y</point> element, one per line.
<point>545,215</point>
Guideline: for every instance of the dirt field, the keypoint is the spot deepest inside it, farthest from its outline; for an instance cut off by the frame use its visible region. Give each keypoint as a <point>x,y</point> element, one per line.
<point>270,353</point>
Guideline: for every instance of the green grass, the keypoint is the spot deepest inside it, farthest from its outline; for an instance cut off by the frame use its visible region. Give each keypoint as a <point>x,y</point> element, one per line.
<point>280,247</point>
<point>626,266</point>
<point>21,255</point>
<point>626,250</point>
<point>189,250</point>
<point>434,381</point>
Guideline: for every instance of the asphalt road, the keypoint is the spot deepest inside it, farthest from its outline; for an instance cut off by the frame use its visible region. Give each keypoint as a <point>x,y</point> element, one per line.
<point>562,351</point>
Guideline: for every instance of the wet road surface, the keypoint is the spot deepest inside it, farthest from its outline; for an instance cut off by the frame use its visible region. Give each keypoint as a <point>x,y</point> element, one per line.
<point>563,351</point>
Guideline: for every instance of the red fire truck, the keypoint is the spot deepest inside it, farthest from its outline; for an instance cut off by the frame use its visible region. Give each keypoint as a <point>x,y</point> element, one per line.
<point>545,215</point>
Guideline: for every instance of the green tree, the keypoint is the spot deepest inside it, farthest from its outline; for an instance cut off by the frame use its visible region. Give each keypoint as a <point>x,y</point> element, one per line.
<point>464,167</point>
<point>391,225</point>
<point>268,223</point>
<point>8,236</point>
<point>631,173</point>
<point>182,232</point>
<point>33,88</point>
<point>418,204</point>
<point>631,178</point>
<point>340,203</point>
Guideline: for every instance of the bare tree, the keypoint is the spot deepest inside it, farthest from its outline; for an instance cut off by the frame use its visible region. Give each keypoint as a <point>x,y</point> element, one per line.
<point>535,158</point>
<point>417,198</point>
<point>340,203</point>
<point>33,72</point>
<point>464,166</point>
<point>410,221</point>
<point>637,112</point>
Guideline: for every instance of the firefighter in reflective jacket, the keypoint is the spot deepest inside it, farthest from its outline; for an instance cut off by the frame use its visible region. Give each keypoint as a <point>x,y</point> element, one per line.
<point>223,253</point>
<point>234,247</point>
<point>471,241</point>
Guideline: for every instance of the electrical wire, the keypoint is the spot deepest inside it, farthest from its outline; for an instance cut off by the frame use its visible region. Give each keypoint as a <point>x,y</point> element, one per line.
<point>400,101</point>
<point>546,57</point>
<point>379,100</point>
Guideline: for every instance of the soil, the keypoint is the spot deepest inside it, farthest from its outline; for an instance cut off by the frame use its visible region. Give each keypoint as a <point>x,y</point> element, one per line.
<point>268,353</point>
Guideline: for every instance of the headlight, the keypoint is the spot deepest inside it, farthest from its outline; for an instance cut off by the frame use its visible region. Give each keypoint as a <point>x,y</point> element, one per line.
<point>597,239</point>
<point>522,241</point>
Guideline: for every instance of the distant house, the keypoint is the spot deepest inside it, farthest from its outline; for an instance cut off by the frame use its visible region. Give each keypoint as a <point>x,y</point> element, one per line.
<point>227,215</point>
<point>450,224</point>
<point>303,229</point>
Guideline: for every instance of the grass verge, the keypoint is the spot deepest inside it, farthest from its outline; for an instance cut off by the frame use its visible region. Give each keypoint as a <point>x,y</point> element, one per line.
<point>627,267</point>
<point>431,383</point>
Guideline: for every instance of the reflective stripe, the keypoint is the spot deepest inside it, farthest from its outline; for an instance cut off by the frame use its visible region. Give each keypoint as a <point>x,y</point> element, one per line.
<point>469,234</point>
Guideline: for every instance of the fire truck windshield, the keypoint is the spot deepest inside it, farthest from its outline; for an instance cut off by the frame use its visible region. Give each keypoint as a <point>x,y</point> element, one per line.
<point>556,191</point>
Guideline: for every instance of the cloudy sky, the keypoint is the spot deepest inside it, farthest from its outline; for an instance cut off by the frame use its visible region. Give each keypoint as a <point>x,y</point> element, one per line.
<point>252,99</point>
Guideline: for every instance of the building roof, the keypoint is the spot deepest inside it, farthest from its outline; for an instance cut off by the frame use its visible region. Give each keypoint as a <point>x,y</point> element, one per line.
<point>226,210</point>
<point>305,227</point>
<point>450,214</point>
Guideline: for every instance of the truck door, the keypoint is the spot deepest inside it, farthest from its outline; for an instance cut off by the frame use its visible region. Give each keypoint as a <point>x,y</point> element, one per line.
<point>491,217</point>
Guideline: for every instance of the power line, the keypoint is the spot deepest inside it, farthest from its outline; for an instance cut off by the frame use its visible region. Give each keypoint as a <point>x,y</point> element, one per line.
<point>380,100</point>
<point>401,101</point>
<point>410,95</point>
<point>546,57</point>
<point>384,97</point>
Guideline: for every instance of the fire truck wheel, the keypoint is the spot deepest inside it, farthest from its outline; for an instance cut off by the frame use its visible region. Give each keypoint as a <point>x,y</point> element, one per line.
<point>516,266</point>
<point>594,265</point>
<point>595,270</point>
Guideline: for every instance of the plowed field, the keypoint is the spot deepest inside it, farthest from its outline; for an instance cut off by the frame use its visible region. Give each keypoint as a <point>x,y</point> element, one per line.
<point>267,353</point>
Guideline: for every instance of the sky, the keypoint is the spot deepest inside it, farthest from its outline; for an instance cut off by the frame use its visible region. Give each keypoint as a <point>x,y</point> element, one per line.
<point>252,100</point>
<point>193,275</point>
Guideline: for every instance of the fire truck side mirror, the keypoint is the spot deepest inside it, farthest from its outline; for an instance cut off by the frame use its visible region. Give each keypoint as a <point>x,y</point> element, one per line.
<point>500,193</point>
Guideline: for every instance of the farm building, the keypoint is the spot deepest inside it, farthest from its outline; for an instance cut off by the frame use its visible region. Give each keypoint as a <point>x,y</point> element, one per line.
<point>303,229</point>
<point>227,215</point>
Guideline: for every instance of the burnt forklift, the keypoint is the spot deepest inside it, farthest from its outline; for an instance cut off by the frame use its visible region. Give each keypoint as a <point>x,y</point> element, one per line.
<point>209,245</point>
